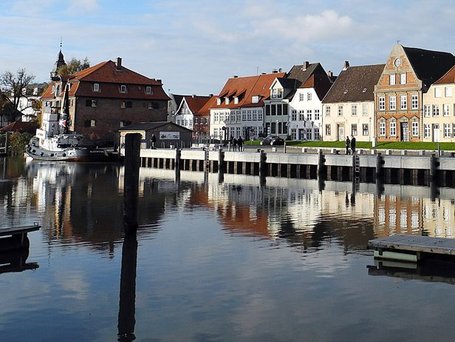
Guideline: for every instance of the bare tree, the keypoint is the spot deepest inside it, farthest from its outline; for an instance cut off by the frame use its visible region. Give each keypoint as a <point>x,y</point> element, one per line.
<point>16,83</point>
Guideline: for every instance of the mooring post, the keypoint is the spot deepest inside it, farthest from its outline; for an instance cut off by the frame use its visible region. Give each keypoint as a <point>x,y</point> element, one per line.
<point>131,182</point>
<point>379,166</point>
<point>321,164</point>
<point>262,164</point>
<point>434,165</point>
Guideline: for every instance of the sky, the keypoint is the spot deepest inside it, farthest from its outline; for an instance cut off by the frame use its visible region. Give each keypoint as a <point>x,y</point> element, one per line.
<point>194,46</point>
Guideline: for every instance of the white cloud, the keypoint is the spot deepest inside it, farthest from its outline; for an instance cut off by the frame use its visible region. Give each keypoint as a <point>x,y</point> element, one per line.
<point>81,6</point>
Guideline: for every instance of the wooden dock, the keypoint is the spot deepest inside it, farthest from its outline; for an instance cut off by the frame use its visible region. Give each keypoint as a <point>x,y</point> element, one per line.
<point>16,237</point>
<point>411,248</point>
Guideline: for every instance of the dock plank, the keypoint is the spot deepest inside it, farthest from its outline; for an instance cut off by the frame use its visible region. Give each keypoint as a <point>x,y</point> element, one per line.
<point>415,243</point>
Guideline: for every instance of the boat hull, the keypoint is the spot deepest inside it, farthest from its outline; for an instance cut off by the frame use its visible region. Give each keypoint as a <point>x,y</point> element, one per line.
<point>67,154</point>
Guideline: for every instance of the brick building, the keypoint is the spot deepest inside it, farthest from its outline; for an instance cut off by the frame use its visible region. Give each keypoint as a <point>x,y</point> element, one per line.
<point>105,97</point>
<point>407,76</point>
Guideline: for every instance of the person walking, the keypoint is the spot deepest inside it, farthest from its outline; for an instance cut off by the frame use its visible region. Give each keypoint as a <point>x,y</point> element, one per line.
<point>353,145</point>
<point>347,144</point>
<point>153,141</point>
<point>240,143</point>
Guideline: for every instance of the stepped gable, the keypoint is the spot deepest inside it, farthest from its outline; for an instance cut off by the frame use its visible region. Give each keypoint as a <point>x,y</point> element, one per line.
<point>355,84</point>
<point>429,65</point>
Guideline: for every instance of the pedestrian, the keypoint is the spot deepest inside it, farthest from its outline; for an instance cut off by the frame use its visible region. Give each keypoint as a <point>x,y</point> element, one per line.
<point>234,142</point>
<point>347,144</point>
<point>240,143</point>
<point>153,141</point>
<point>353,145</point>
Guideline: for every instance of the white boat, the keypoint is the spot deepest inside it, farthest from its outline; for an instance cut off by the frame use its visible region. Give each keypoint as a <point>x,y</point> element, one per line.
<point>53,141</point>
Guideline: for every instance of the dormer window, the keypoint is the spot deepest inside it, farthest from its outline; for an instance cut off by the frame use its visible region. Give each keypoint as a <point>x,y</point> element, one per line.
<point>123,88</point>
<point>218,101</point>
<point>255,99</point>
<point>226,100</point>
<point>96,87</point>
<point>236,100</point>
<point>148,90</point>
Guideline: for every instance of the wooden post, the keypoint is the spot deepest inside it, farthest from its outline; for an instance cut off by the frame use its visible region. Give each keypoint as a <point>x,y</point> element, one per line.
<point>131,182</point>
<point>379,166</point>
<point>262,164</point>
<point>321,164</point>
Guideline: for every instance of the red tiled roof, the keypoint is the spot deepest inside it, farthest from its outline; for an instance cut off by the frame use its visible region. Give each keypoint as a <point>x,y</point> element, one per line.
<point>196,103</point>
<point>110,77</point>
<point>249,86</point>
<point>448,77</point>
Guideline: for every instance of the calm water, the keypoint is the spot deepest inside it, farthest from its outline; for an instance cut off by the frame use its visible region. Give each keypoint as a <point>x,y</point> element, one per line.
<point>218,260</point>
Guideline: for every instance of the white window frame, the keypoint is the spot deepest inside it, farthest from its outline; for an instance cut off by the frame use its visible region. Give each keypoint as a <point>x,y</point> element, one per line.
<point>415,128</point>
<point>445,109</point>
<point>340,110</point>
<point>448,92</point>
<point>403,78</point>
<point>392,79</point>
<point>426,130</point>
<point>427,110</point>
<point>447,130</point>
<point>393,128</point>
<point>327,110</point>
<point>403,102</point>
<point>123,88</point>
<point>148,90</point>
<point>354,110</point>
<point>414,101</point>
<point>382,128</point>
<point>381,103</point>
<point>96,87</point>
<point>392,102</point>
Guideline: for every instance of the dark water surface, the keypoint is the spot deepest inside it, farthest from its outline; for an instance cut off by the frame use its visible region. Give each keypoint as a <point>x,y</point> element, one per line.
<point>219,260</point>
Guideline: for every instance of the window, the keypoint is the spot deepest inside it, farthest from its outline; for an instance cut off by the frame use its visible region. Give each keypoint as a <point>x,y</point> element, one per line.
<point>294,115</point>
<point>255,115</point>
<point>96,87</point>
<point>340,110</point>
<point>148,90</point>
<point>426,130</point>
<point>301,115</point>
<point>393,102</point>
<point>437,92</point>
<point>414,102</point>
<point>90,123</point>
<point>382,128</point>
<point>327,110</point>
<point>90,103</point>
<point>309,114</point>
<point>317,116</point>
<point>445,109</point>
<point>126,104</point>
<point>393,128</point>
<point>448,91</point>
<point>328,130</point>
<point>403,79</point>
<point>316,133</point>
<point>435,110</point>
<point>354,110</point>
<point>249,117</point>
<point>125,123</point>
<point>426,110</point>
<point>259,114</point>
<point>277,93</point>
<point>123,88</point>
<point>392,79</point>
<point>354,129</point>
<point>447,130</point>
<point>293,134</point>
<point>308,96</point>
<point>415,128</point>
<point>301,97</point>
<point>381,103</point>
<point>404,102</point>
<point>365,130</point>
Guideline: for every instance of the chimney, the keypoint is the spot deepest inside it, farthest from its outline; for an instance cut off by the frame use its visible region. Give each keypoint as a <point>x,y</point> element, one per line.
<point>330,73</point>
<point>346,65</point>
<point>305,65</point>
<point>274,71</point>
<point>119,63</point>
<point>279,69</point>
<point>193,96</point>
<point>235,76</point>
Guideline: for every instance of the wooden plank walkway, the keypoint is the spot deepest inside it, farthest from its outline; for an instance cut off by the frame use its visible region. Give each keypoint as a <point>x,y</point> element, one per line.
<point>413,244</point>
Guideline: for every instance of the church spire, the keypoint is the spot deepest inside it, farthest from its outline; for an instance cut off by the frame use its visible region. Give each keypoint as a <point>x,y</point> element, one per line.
<point>59,63</point>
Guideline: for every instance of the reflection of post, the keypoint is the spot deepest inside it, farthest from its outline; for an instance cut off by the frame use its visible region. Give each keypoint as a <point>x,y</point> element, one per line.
<point>131,182</point>
<point>126,320</point>
<point>127,304</point>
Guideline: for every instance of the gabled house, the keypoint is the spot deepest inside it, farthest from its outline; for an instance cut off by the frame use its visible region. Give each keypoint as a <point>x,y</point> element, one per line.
<point>294,105</point>
<point>305,110</point>
<point>399,94</point>
<point>348,107</point>
<point>439,109</point>
<point>105,97</point>
<point>238,109</point>
<point>192,113</point>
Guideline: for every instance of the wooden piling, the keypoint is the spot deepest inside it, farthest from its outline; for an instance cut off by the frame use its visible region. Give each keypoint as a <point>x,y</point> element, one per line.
<point>131,182</point>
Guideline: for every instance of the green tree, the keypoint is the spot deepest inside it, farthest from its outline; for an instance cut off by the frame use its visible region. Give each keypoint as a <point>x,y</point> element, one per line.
<point>18,142</point>
<point>73,66</point>
<point>16,84</point>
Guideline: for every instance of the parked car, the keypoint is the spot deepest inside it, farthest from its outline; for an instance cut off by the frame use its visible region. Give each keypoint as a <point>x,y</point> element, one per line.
<point>272,140</point>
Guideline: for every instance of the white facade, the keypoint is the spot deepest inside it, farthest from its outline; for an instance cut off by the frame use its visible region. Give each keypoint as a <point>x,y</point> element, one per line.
<point>184,117</point>
<point>241,122</point>
<point>348,119</point>
<point>439,113</point>
<point>305,115</point>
